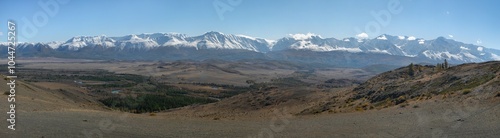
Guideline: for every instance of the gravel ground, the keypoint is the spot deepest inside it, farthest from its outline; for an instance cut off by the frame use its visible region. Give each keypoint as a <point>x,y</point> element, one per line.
<point>426,121</point>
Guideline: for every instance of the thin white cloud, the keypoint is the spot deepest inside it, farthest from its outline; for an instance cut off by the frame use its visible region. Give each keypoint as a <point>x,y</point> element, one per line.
<point>362,36</point>
<point>401,37</point>
<point>451,36</point>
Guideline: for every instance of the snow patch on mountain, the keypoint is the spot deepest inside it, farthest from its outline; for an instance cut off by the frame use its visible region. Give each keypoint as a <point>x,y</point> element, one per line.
<point>248,37</point>
<point>352,50</point>
<point>180,42</point>
<point>55,44</point>
<point>495,57</point>
<point>270,42</point>
<point>411,38</point>
<point>313,47</point>
<point>464,57</point>
<point>469,55</point>
<point>134,41</point>
<point>480,48</point>
<point>464,48</point>
<point>362,36</point>
<point>408,55</point>
<point>421,41</point>
<point>376,50</point>
<point>382,37</point>
<point>441,55</point>
<point>303,36</point>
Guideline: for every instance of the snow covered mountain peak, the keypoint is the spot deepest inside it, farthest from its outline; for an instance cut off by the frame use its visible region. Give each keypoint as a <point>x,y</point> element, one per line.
<point>436,49</point>
<point>305,36</point>
<point>78,42</point>
<point>89,39</point>
<point>213,33</point>
<point>55,44</point>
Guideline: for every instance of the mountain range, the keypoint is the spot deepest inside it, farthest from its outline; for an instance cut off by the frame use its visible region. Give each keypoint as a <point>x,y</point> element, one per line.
<point>218,45</point>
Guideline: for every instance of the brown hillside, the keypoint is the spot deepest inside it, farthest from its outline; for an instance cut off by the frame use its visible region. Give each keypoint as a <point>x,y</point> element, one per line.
<point>398,86</point>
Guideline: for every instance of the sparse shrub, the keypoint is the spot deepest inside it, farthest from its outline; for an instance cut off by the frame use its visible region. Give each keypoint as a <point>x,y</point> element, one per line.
<point>250,82</point>
<point>365,106</point>
<point>467,91</point>
<point>7,93</point>
<point>152,114</point>
<point>498,95</point>
<point>404,105</point>
<point>359,108</point>
<point>400,99</point>
<point>470,84</point>
<point>416,106</point>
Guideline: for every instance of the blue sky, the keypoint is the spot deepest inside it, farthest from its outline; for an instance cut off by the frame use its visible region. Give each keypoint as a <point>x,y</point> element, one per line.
<point>466,20</point>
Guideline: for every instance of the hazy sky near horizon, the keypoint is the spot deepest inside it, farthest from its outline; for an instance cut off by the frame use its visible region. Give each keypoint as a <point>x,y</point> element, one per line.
<point>475,22</point>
